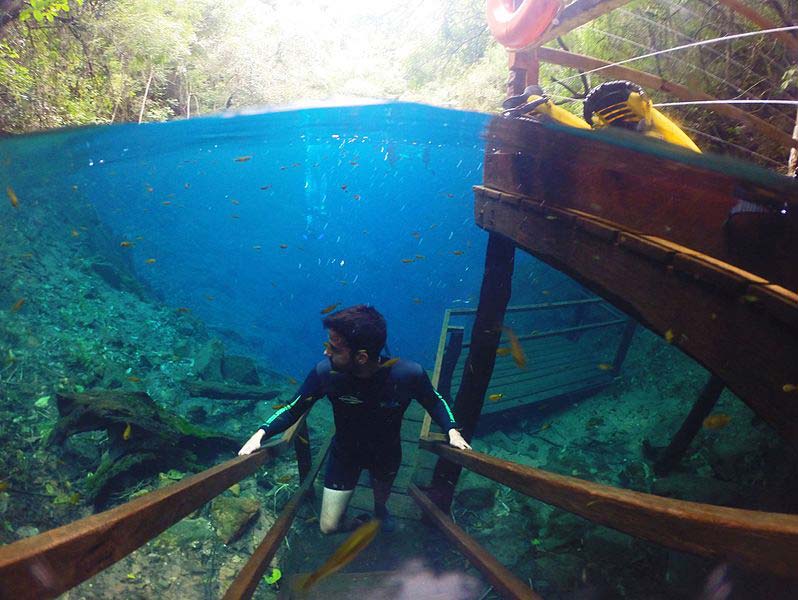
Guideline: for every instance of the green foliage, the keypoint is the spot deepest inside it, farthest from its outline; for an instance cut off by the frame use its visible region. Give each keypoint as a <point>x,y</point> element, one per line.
<point>45,10</point>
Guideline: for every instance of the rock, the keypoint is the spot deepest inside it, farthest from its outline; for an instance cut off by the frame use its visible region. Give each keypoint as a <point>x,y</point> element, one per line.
<point>231,516</point>
<point>634,476</point>
<point>240,369</point>
<point>185,534</point>
<point>208,361</point>
<point>477,499</point>
<point>26,531</point>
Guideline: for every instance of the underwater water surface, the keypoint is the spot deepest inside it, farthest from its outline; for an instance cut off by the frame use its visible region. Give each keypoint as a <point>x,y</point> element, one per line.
<point>126,248</point>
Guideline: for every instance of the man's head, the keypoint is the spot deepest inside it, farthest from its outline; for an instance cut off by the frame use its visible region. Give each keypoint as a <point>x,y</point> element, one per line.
<point>357,334</point>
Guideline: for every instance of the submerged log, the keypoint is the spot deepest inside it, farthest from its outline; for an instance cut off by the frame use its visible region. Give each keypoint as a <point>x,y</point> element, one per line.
<point>225,391</point>
<point>143,438</point>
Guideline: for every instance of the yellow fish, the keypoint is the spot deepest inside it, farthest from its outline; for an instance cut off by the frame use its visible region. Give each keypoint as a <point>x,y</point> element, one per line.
<point>717,421</point>
<point>330,308</point>
<point>150,261</point>
<point>457,252</point>
<point>354,545</point>
<point>243,158</point>
<point>12,197</point>
<point>389,363</point>
<point>495,397</point>
<point>669,336</point>
<point>515,349</point>
<point>789,387</point>
<point>503,351</point>
<point>605,366</point>
<point>407,260</point>
<point>127,432</point>
<point>17,305</point>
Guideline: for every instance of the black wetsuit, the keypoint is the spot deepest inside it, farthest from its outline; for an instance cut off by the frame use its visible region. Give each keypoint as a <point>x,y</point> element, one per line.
<point>368,417</point>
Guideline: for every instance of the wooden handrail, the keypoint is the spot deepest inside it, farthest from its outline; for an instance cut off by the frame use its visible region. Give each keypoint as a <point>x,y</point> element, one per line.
<point>758,540</point>
<point>575,14</point>
<point>48,564</point>
<point>502,579</point>
<point>565,330</point>
<point>530,307</point>
<point>580,61</point>
<point>248,579</point>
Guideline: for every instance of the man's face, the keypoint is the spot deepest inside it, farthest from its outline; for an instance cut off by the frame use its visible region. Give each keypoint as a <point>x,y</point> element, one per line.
<point>339,353</point>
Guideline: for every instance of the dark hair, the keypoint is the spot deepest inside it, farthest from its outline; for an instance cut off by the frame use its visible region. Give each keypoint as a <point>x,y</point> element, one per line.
<point>361,326</point>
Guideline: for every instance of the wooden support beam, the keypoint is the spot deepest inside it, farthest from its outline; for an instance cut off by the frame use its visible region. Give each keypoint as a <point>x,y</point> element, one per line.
<point>580,61</point>
<point>623,346</point>
<point>450,358</point>
<point>766,542</point>
<point>493,299</point>
<point>670,456</point>
<point>503,581</point>
<point>248,579</point>
<point>578,13</point>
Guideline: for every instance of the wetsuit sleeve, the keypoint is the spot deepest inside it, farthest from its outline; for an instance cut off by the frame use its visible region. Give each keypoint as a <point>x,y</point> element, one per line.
<point>434,403</point>
<point>310,391</point>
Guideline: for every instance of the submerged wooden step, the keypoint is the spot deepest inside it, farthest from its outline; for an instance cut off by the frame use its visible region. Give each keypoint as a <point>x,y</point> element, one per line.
<point>345,586</point>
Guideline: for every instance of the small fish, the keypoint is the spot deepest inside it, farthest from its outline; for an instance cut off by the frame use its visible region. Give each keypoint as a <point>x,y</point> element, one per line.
<point>127,432</point>
<point>343,186</point>
<point>789,387</point>
<point>495,397</point>
<point>420,257</point>
<point>243,158</point>
<point>166,202</point>
<point>149,189</point>
<point>283,246</point>
<point>284,478</point>
<point>277,406</point>
<point>716,421</point>
<point>235,217</point>
<point>503,351</point>
<point>605,366</point>
<point>353,163</point>
<point>75,233</point>
<point>257,247</point>
<point>236,202</point>
<point>296,164</point>
<point>150,261</point>
<point>516,350</point>
<point>389,363</point>
<point>408,260</point>
<point>209,298</point>
<point>328,309</point>
<point>416,234</point>
<point>303,440</point>
<point>551,217</point>
<point>292,381</point>
<point>17,305</point>
<point>126,244</point>
<point>354,545</point>
<point>545,426</point>
<point>183,310</point>
<point>669,336</point>
<point>265,187</point>
<point>417,300</point>
<point>450,195</point>
<point>134,379</point>
<point>457,252</point>
<point>356,197</point>
<point>187,185</point>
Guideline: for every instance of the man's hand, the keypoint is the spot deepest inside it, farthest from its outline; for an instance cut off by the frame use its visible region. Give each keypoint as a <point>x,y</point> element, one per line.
<point>253,443</point>
<point>456,440</point>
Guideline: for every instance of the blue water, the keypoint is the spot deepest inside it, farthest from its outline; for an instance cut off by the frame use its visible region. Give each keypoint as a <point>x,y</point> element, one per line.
<point>350,191</point>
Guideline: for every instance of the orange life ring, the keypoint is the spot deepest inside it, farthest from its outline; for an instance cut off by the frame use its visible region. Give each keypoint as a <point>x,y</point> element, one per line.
<point>516,28</point>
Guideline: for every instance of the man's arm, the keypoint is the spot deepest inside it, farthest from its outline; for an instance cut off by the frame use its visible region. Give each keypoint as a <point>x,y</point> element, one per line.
<point>439,410</point>
<point>308,393</point>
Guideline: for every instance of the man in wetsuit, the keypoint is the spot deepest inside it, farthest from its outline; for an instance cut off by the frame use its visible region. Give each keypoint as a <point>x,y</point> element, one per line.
<point>369,396</point>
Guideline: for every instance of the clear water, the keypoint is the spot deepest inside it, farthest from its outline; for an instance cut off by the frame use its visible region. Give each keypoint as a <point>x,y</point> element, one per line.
<point>350,192</point>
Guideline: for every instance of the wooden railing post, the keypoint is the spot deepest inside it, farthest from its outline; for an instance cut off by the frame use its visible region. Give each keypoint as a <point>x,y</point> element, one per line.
<point>450,357</point>
<point>493,299</point>
<point>304,458</point>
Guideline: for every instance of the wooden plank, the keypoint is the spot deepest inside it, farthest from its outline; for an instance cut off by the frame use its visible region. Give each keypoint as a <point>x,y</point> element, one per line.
<point>756,355</point>
<point>52,562</point>
<point>760,541</point>
<point>576,14</point>
<point>250,576</point>
<point>580,61</point>
<point>502,579</point>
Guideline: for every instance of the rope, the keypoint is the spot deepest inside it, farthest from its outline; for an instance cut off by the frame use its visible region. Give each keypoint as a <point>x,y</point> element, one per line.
<point>686,103</point>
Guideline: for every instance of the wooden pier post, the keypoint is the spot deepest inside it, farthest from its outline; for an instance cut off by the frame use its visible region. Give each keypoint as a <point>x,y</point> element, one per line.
<point>493,299</point>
